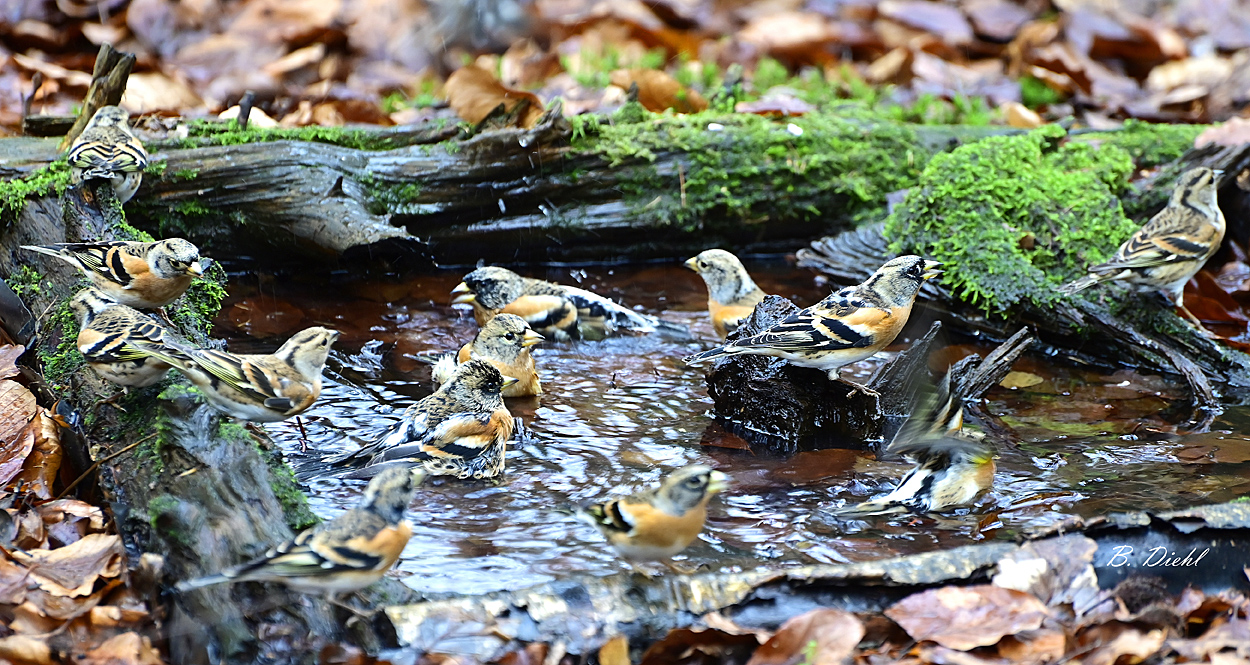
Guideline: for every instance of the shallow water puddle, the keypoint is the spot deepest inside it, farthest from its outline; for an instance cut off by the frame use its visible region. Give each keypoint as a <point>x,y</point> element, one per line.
<point>625,411</point>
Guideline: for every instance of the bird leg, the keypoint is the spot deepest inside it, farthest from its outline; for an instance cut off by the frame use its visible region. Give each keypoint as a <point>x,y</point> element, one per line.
<point>359,614</point>
<point>855,387</point>
<point>1178,299</point>
<point>303,434</point>
<point>680,569</point>
<point>640,570</point>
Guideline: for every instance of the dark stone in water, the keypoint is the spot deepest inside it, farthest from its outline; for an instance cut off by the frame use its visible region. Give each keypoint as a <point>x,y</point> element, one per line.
<point>781,408</point>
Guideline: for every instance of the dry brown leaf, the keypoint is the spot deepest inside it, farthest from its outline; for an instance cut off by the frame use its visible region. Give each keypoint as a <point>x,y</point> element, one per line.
<point>256,118</point>
<point>111,616</point>
<point>964,618</point>
<point>13,581</point>
<point>153,91</point>
<point>794,34</point>
<point>1020,380</point>
<point>474,92</point>
<point>72,570</point>
<point>945,21</point>
<point>29,620</point>
<point>124,649</point>
<point>1021,116</point>
<point>615,651</point>
<point>31,532</point>
<point>682,643</point>
<point>1042,646</point>
<point>23,650</point>
<point>891,67</point>
<point>1116,640</point>
<point>718,621</point>
<point>999,20</point>
<point>17,407</point>
<point>834,634</point>
<point>1231,633</point>
<point>526,64</point>
<point>657,91</point>
<point>44,461</point>
<point>1235,132</point>
<point>9,354</point>
<point>65,608</point>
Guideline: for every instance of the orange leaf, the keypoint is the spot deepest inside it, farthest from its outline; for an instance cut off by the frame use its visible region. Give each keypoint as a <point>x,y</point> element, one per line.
<point>44,459</point>
<point>474,92</point>
<point>658,91</point>
<point>834,634</point>
<point>72,570</point>
<point>23,650</point>
<point>964,618</point>
<point>125,649</point>
<point>8,359</point>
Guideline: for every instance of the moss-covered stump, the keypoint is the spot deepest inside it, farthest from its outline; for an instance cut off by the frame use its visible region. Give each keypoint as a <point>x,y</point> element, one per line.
<point>186,484</point>
<point>1013,218</point>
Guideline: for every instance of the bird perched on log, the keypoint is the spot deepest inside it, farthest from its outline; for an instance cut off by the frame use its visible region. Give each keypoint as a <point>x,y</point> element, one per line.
<point>460,430</point>
<point>504,342</point>
<point>658,523</point>
<point>112,336</point>
<point>1172,247</point>
<point>554,310</point>
<point>731,293</point>
<point>952,468</point>
<point>847,326</point>
<point>343,555</point>
<point>259,388</point>
<point>107,150</point>
<point>145,275</point>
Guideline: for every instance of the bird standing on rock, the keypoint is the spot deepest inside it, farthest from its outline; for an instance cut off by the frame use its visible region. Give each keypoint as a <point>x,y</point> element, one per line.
<point>146,275</point>
<point>554,310</point>
<point>504,342</point>
<point>259,388</point>
<point>952,469</point>
<point>731,293</point>
<point>1172,247</point>
<point>658,523</point>
<point>847,326</point>
<point>111,337</point>
<point>460,430</point>
<point>343,555</point>
<point>107,150</point>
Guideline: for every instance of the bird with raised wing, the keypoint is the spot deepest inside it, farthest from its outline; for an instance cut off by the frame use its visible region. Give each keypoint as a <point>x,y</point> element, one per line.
<point>461,430</point>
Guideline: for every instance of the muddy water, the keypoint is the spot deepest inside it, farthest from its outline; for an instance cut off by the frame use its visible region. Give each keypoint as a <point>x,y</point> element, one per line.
<point>622,412</point>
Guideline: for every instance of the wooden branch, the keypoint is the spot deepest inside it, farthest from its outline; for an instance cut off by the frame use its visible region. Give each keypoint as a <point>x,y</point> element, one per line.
<point>108,82</point>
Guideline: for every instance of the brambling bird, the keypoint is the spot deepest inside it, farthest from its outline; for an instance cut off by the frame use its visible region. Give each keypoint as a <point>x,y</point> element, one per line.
<point>847,326</point>
<point>107,150</point>
<point>554,310</point>
<point>952,468</point>
<point>343,555</point>
<point>731,293</point>
<point>1172,247</point>
<point>145,275</point>
<point>460,430</point>
<point>658,523</point>
<point>504,342</point>
<point>111,336</point>
<point>259,388</point>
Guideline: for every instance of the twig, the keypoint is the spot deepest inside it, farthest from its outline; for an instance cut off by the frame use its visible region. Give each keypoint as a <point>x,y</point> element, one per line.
<point>95,466</point>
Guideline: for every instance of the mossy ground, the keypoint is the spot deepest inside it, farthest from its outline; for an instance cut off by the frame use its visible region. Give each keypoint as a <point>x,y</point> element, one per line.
<point>228,133</point>
<point>1013,217</point>
<point>53,178</point>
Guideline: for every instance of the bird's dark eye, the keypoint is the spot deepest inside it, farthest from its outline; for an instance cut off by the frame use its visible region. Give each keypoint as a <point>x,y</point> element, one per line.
<point>695,482</point>
<point>510,336</point>
<point>703,264</point>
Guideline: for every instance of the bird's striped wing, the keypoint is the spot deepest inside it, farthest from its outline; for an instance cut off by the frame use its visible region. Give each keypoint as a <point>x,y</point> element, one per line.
<point>462,436</point>
<point>252,379</point>
<point>818,330</point>
<point>106,154</point>
<point>124,341</point>
<point>595,309</point>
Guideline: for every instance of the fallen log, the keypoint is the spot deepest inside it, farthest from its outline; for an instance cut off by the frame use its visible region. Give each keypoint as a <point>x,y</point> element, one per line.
<point>630,186</point>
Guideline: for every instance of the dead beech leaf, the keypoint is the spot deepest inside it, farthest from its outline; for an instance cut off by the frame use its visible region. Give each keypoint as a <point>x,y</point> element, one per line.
<point>1116,640</point>
<point>964,618</point>
<point>153,91</point>
<point>682,643</point>
<point>17,407</point>
<point>65,608</point>
<point>1043,646</point>
<point>835,634</point>
<point>474,92</point>
<point>945,21</point>
<point>1231,633</point>
<point>124,649</point>
<point>44,460</point>
<point>1020,380</point>
<point>657,91</point>
<point>24,650</point>
<point>1235,132</point>
<point>615,651</point>
<point>12,583</point>
<point>73,569</point>
<point>9,354</point>
<point>1021,116</point>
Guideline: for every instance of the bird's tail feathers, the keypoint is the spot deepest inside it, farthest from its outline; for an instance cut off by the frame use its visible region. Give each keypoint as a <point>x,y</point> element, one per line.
<point>200,582</point>
<point>711,354</point>
<point>444,369</point>
<point>882,506</point>
<point>1079,285</point>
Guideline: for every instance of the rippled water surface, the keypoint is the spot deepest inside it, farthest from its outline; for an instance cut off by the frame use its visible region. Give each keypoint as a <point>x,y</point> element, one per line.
<point>618,414</point>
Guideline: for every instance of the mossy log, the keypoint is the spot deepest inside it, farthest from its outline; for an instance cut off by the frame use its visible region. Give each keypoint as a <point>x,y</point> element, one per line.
<point>183,482</point>
<point>630,186</point>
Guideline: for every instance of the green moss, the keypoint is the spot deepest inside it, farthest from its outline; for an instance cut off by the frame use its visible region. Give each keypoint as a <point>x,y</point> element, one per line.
<point>156,169</point>
<point>26,282</point>
<point>186,174</point>
<point>756,169</point>
<point>159,507</point>
<point>1005,214</point>
<point>13,193</point>
<point>60,362</point>
<point>1148,144</point>
<point>288,493</point>
<point>228,133</point>
<point>1034,93</point>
